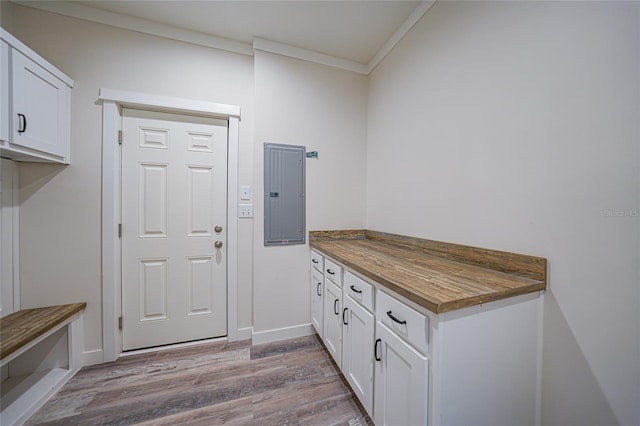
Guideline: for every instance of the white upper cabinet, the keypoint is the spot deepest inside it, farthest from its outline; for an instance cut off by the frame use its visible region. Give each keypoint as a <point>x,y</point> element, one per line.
<point>35,108</point>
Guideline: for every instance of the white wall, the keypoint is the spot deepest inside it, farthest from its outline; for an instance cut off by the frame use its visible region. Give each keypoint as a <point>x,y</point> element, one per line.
<point>324,109</point>
<point>60,224</point>
<point>515,126</point>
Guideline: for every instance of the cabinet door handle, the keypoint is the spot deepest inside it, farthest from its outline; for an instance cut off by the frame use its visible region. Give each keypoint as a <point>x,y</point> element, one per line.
<point>315,261</point>
<point>318,289</point>
<point>23,122</point>
<point>344,321</point>
<point>335,307</point>
<point>329,271</point>
<point>375,350</point>
<point>355,290</point>
<point>395,319</point>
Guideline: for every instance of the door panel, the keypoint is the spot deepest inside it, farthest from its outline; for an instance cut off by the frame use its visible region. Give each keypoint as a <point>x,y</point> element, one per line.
<point>357,351</point>
<point>174,188</point>
<point>317,295</point>
<point>332,332</point>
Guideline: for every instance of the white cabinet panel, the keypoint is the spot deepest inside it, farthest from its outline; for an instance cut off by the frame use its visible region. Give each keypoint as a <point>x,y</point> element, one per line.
<point>39,99</point>
<point>357,351</point>
<point>317,295</point>
<point>9,238</point>
<point>332,328</point>
<point>401,381</point>
<point>4,91</point>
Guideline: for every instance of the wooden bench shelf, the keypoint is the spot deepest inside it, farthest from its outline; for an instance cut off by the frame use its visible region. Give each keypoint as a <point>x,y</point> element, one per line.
<point>40,350</point>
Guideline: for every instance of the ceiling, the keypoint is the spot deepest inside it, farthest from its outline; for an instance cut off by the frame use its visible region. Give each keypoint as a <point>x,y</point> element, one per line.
<point>350,30</point>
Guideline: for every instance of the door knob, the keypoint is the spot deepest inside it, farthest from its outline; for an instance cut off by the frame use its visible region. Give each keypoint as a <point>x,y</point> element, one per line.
<point>218,244</point>
<point>218,229</point>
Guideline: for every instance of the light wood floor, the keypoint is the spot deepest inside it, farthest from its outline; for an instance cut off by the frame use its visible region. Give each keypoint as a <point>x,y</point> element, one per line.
<point>293,382</point>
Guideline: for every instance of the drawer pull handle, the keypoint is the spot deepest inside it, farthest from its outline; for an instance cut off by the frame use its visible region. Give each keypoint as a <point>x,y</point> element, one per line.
<point>23,122</point>
<point>355,290</point>
<point>395,319</point>
<point>330,272</point>
<point>344,321</point>
<point>375,349</point>
<point>315,261</point>
<point>318,289</point>
<point>335,307</point>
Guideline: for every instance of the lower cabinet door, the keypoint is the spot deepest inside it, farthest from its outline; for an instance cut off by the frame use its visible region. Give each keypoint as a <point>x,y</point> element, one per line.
<point>332,327</point>
<point>317,295</point>
<point>357,351</point>
<point>401,381</point>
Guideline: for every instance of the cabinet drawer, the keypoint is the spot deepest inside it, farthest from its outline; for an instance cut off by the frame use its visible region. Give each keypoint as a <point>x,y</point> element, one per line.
<point>359,290</point>
<point>317,261</point>
<point>409,324</point>
<point>333,271</point>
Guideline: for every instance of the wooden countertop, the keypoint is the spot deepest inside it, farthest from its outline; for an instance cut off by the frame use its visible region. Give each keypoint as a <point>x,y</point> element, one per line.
<point>19,328</point>
<point>438,276</point>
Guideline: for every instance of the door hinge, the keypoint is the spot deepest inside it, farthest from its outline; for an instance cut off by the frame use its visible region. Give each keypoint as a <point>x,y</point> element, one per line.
<point>119,230</point>
<point>119,323</point>
<point>119,137</point>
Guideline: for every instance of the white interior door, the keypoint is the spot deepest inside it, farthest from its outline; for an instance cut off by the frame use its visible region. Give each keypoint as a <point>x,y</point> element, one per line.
<point>174,217</point>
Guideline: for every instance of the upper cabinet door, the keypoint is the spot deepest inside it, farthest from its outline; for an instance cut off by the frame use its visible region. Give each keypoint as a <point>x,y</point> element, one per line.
<point>40,113</point>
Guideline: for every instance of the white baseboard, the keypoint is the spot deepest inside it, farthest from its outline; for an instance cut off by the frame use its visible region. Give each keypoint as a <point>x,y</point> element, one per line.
<point>244,333</point>
<point>92,357</point>
<point>274,335</point>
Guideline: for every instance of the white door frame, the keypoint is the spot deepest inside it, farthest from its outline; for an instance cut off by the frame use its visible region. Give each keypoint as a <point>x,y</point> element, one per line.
<point>112,103</point>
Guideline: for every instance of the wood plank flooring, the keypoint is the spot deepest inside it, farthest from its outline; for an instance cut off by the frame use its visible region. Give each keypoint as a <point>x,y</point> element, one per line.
<point>293,382</point>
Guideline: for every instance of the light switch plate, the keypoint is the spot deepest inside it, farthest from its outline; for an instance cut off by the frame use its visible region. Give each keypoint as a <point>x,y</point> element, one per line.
<point>245,211</point>
<point>245,192</point>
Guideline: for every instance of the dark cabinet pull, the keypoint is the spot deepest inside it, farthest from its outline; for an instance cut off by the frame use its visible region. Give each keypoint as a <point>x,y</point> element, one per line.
<point>395,319</point>
<point>329,271</point>
<point>344,321</point>
<point>23,121</point>
<point>335,307</point>
<point>375,350</point>
<point>318,289</point>
<point>355,290</point>
<point>315,261</point>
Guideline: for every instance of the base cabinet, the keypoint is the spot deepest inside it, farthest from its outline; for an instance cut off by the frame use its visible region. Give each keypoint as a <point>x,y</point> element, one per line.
<point>401,381</point>
<point>409,366</point>
<point>357,351</point>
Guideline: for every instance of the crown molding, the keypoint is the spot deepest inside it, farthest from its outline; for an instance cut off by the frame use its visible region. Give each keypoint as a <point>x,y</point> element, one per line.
<point>402,30</point>
<point>174,33</point>
<point>308,55</point>
<point>138,25</point>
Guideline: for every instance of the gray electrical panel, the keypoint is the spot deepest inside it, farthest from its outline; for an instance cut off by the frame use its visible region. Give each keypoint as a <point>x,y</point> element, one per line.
<point>284,200</point>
